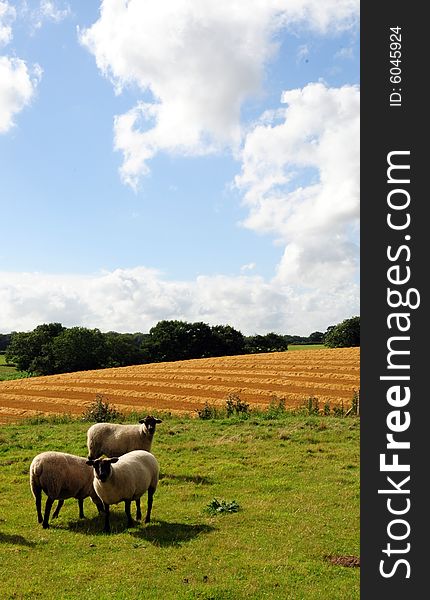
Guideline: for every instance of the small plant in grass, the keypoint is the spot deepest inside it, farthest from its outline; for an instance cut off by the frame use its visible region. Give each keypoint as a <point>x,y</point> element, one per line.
<point>339,411</point>
<point>209,411</point>
<point>313,405</point>
<point>100,411</point>
<point>326,409</point>
<point>216,507</point>
<point>276,408</point>
<point>234,405</point>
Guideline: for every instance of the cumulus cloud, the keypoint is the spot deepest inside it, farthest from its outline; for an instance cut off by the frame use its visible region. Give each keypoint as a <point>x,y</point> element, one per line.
<point>17,81</point>
<point>18,84</point>
<point>195,64</point>
<point>300,179</point>
<point>129,300</point>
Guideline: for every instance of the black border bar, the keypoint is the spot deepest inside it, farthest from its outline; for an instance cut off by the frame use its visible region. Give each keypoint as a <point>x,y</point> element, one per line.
<point>394,120</point>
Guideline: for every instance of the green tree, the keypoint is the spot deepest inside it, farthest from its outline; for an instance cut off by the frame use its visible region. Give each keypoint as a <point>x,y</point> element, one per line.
<point>271,342</point>
<point>226,341</point>
<point>344,335</point>
<point>32,351</point>
<point>5,341</point>
<point>123,349</point>
<point>177,340</point>
<point>317,337</point>
<point>79,349</point>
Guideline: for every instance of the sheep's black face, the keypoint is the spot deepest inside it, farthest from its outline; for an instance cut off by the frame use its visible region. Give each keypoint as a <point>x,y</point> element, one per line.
<point>150,423</point>
<point>102,470</point>
<point>102,467</point>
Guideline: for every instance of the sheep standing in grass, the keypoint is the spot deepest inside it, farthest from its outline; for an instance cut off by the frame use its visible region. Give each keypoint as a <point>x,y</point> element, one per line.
<point>125,479</point>
<point>115,440</point>
<point>61,476</point>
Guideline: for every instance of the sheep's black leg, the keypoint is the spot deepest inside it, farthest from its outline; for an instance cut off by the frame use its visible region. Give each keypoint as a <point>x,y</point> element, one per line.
<point>81,508</point>
<point>38,497</point>
<point>48,506</point>
<point>130,521</point>
<point>57,510</point>
<point>151,492</point>
<point>107,524</point>
<point>100,507</point>
<point>138,510</point>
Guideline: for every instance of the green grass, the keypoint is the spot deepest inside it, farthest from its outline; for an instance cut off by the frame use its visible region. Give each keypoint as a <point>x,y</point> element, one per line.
<point>295,479</point>
<point>306,347</point>
<point>8,372</point>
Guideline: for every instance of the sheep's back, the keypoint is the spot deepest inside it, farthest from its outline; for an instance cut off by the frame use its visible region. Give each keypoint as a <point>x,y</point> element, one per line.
<point>61,475</point>
<point>115,440</point>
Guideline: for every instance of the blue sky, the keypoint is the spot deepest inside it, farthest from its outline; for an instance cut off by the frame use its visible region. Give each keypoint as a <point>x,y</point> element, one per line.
<point>179,160</point>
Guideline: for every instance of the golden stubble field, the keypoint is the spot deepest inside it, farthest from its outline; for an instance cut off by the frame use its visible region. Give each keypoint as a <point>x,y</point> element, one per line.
<point>182,387</point>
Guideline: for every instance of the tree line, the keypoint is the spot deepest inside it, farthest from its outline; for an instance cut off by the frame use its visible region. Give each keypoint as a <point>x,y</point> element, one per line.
<point>52,348</point>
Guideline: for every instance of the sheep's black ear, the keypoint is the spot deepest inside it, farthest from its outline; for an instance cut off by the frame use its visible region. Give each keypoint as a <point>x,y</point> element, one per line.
<point>142,421</point>
<point>158,421</point>
<point>90,462</point>
<point>114,459</point>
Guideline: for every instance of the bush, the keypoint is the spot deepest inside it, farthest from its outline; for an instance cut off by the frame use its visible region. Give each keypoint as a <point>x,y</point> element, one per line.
<point>276,408</point>
<point>312,405</point>
<point>100,412</point>
<point>234,405</point>
<point>209,411</point>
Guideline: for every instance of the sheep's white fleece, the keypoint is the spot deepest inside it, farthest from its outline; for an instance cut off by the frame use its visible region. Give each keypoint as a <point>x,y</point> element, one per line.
<point>113,439</point>
<point>62,476</point>
<point>129,478</point>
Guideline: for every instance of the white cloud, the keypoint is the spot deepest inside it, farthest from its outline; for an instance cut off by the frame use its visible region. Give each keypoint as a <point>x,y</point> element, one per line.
<point>17,88</point>
<point>136,299</point>
<point>345,53</point>
<point>51,11</point>
<point>7,16</point>
<point>195,64</point>
<point>300,180</point>
<point>248,267</point>
<point>46,11</point>
<point>17,82</point>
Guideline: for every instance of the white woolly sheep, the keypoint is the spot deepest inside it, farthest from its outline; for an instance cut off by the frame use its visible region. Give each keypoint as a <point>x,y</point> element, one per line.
<point>126,478</point>
<point>61,476</point>
<point>112,439</point>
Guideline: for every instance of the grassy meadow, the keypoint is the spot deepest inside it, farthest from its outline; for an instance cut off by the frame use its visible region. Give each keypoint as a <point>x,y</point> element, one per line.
<point>306,346</point>
<point>294,476</point>
<point>8,372</point>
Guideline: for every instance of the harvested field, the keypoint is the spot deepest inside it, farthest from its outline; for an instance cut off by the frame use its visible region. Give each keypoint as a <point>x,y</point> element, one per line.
<point>331,375</point>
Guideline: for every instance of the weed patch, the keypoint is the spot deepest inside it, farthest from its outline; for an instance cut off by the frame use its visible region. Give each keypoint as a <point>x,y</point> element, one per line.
<point>217,507</point>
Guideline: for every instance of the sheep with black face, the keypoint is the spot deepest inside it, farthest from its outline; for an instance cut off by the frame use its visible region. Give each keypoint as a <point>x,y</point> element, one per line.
<point>124,479</point>
<point>112,439</point>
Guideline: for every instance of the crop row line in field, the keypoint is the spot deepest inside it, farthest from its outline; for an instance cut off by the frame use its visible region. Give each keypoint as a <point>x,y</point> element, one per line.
<point>143,378</point>
<point>143,385</point>
<point>81,400</point>
<point>206,391</point>
<point>236,384</point>
<point>138,372</point>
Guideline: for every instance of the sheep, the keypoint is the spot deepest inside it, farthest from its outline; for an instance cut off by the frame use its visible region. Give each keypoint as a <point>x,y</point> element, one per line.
<point>61,476</point>
<point>126,478</point>
<point>115,440</point>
